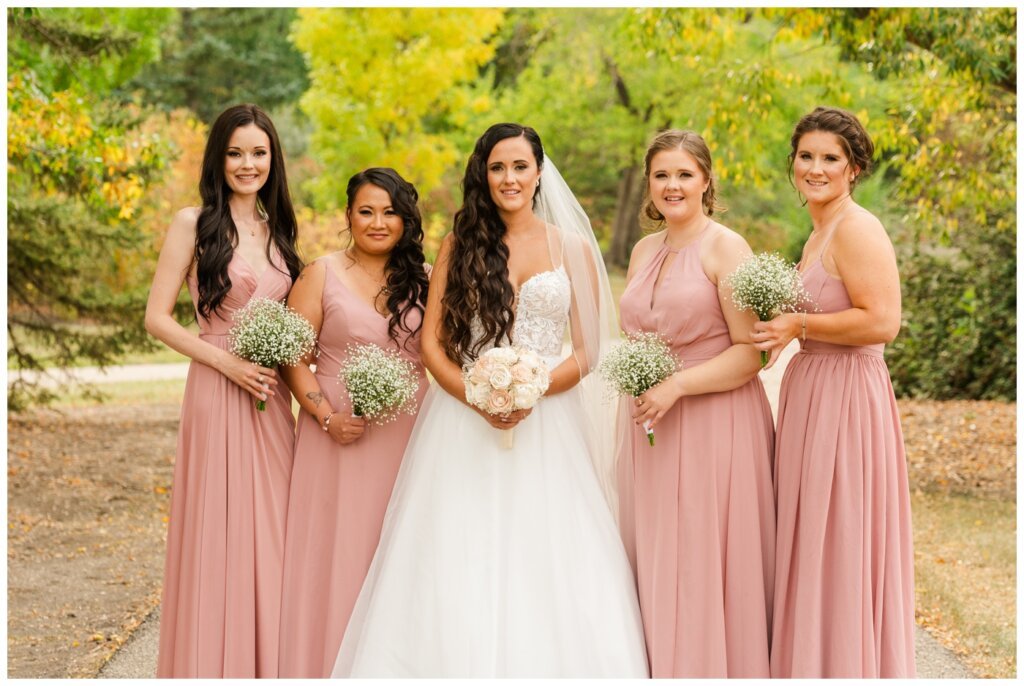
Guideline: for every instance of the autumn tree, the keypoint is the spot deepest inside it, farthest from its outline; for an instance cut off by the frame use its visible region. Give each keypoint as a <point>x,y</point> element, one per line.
<point>389,87</point>
<point>78,168</point>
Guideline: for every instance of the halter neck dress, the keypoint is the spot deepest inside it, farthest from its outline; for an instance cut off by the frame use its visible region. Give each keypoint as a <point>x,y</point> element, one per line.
<point>697,508</point>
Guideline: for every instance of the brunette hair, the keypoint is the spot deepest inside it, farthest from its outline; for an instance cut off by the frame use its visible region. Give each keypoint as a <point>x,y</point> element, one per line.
<point>853,138</point>
<point>407,280</point>
<point>693,143</point>
<point>216,233</point>
<point>478,285</point>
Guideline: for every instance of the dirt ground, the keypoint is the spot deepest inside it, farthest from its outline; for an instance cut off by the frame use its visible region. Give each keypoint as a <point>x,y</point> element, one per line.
<point>89,491</point>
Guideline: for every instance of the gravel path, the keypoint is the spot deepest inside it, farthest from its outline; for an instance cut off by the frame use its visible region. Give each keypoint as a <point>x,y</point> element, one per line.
<point>137,658</point>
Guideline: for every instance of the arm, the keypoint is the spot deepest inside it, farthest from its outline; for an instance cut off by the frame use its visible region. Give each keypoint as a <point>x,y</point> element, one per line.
<point>734,366</point>
<point>866,262</point>
<point>306,299</point>
<point>176,259</point>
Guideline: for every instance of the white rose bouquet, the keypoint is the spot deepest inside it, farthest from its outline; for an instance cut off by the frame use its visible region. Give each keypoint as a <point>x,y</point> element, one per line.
<point>638,364</point>
<point>270,334</point>
<point>381,383</point>
<point>503,380</point>
<point>768,285</point>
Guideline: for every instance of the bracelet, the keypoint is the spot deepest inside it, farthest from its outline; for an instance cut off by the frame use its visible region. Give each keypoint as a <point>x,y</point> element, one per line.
<point>803,327</point>
<point>326,424</point>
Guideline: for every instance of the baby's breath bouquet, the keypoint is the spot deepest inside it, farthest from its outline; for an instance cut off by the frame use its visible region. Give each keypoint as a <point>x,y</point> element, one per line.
<point>269,333</point>
<point>638,364</point>
<point>768,285</point>
<point>381,383</point>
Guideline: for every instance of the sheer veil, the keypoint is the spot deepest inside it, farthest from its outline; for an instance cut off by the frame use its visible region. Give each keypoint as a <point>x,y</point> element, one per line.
<point>593,320</point>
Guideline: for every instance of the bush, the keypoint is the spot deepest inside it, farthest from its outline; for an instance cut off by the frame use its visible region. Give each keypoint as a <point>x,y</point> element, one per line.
<point>958,338</point>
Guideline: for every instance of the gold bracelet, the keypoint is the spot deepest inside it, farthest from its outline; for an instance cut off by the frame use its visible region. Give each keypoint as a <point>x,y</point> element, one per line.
<point>803,327</point>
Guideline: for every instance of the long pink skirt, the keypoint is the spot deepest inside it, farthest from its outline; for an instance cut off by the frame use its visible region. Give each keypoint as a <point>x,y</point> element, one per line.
<point>225,542</point>
<point>844,592</point>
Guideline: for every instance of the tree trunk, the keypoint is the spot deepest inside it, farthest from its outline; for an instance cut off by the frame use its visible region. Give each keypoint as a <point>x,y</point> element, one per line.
<point>626,229</point>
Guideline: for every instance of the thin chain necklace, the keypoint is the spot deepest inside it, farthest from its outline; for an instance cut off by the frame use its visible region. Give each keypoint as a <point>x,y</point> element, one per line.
<point>381,281</point>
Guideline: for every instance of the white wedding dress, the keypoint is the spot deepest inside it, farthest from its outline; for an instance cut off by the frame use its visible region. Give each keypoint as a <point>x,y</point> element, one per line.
<point>497,562</point>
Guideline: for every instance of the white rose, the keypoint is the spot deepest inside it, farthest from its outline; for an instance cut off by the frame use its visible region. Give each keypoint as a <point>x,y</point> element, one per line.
<point>505,356</point>
<point>500,378</point>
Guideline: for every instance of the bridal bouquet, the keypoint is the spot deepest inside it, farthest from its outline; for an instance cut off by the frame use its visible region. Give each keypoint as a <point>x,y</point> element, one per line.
<point>381,383</point>
<point>503,380</point>
<point>269,333</point>
<point>638,364</point>
<point>768,285</point>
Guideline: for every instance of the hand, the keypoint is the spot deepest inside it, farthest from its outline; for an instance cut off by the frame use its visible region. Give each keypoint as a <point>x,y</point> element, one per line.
<point>504,422</point>
<point>255,380</point>
<point>345,429</point>
<point>652,404</point>
<point>774,335</point>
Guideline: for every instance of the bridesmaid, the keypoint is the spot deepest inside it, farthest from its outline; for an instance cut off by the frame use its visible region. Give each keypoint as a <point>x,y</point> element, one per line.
<point>698,506</point>
<point>222,581</point>
<point>844,593</point>
<point>374,291</point>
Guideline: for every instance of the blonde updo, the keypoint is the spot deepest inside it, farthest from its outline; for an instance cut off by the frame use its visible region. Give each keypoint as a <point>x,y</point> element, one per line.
<point>694,144</point>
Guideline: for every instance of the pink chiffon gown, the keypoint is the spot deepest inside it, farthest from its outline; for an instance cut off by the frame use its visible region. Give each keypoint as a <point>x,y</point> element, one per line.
<point>339,494</point>
<point>697,508</point>
<point>844,592</point>
<point>225,541</point>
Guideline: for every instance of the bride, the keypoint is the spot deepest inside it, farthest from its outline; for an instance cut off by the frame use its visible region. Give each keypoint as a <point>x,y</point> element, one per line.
<point>498,562</point>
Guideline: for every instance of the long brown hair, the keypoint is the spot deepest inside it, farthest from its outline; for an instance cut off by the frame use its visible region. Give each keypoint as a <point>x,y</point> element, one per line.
<point>478,285</point>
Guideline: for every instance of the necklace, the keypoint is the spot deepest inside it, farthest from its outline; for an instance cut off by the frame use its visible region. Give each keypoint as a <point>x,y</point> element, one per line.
<point>379,280</point>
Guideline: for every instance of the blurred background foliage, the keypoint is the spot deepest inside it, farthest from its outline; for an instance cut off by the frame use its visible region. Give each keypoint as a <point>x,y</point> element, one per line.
<point>108,111</point>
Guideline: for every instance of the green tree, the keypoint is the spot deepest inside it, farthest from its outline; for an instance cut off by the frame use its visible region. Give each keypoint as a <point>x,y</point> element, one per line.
<point>949,140</point>
<point>391,87</point>
<point>213,58</point>
<point>78,167</point>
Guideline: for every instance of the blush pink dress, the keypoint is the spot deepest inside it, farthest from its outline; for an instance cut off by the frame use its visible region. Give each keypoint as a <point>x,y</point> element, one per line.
<point>225,541</point>
<point>844,593</point>
<point>697,508</point>
<point>339,494</point>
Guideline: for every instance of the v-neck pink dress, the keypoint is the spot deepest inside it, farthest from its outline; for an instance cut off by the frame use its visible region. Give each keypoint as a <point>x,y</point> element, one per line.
<point>339,493</point>
<point>699,503</point>
<point>225,541</point>
<point>844,592</point>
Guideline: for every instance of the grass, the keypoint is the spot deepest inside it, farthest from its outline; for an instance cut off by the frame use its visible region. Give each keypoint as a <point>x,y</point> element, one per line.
<point>162,354</point>
<point>965,576</point>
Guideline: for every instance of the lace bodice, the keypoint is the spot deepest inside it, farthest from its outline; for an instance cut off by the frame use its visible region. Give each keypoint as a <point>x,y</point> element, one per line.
<point>542,313</point>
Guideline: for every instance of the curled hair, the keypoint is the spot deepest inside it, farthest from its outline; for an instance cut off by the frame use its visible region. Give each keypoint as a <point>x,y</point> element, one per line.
<point>216,233</point>
<point>694,144</point>
<point>407,280</point>
<point>478,285</point>
<point>853,138</point>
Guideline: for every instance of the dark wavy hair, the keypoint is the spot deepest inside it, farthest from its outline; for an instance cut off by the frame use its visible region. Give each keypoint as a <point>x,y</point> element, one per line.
<point>407,280</point>
<point>478,284</point>
<point>216,233</point>
<point>853,138</point>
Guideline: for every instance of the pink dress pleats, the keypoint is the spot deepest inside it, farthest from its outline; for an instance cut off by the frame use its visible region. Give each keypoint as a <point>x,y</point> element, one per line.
<point>697,509</point>
<point>339,494</point>
<point>844,593</point>
<point>225,540</point>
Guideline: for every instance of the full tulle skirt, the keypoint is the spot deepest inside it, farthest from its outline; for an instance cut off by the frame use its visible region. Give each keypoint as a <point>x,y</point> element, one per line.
<point>497,562</point>
<point>844,594</point>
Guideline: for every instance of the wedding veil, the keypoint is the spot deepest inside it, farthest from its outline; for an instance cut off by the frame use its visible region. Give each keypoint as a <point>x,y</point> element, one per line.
<point>593,321</point>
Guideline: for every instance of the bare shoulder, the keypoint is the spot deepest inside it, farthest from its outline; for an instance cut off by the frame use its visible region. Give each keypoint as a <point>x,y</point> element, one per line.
<point>859,231</point>
<point>183,224</point>
<point>646,246</point>
<point>727,241</point>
